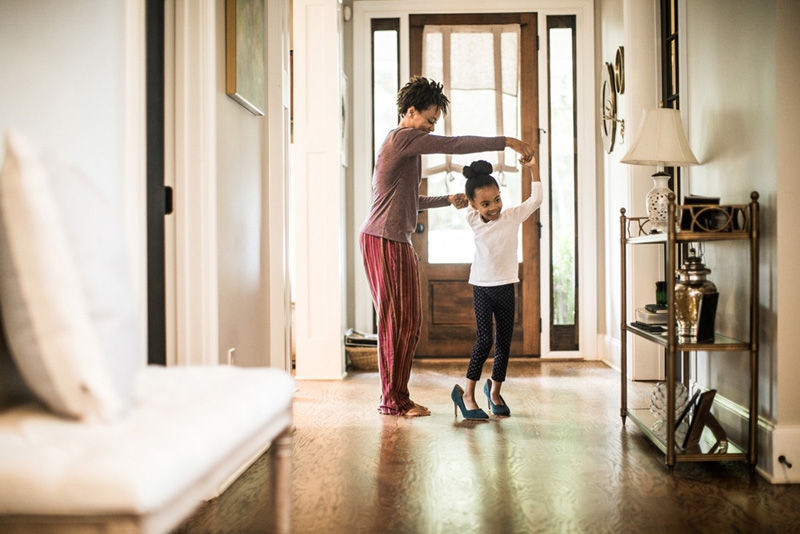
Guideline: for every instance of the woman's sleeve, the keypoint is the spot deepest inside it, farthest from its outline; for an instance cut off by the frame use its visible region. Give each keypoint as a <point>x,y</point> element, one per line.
<point>466,144</point>
<point>433,202</point>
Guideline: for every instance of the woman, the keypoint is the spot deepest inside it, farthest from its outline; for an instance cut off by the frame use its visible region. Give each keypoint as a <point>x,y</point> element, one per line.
<point>389,258</point>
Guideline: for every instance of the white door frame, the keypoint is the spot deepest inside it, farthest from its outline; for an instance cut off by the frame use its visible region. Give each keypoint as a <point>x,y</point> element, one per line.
<point>364,10</point>
<point>192,308</point>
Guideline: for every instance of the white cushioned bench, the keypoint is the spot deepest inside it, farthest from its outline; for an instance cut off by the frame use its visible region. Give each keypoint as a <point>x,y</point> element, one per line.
<point>190,431</point>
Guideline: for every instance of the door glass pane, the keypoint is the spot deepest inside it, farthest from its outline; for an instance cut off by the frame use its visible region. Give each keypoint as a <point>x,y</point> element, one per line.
<point>483,101</point>
<point>385,79</point>
<point>562,182</point>
<point>449,237</point>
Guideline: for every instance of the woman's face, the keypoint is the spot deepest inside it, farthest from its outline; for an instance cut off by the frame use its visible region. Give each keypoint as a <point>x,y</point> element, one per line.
<point>488,202</point>
<point>424,120</point>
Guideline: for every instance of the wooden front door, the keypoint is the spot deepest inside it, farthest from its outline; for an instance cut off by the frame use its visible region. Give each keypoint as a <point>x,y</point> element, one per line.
<point>488,65</point>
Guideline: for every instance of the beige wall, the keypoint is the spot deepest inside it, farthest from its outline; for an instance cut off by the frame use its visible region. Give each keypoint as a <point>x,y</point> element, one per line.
<point>743,75</point>
<point>730,100</point>
<point>787,292</point>
<point>243,301</point>
<point>245,208</point>
<point>739,84</point>
<point>631,24</point>
<point>612,189</point>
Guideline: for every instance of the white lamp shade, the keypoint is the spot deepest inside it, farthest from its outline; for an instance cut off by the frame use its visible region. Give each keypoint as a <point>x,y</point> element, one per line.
<point>660,141</point>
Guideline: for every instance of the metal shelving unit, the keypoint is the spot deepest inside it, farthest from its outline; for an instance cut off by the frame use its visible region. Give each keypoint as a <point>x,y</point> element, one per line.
<point>691,224</point>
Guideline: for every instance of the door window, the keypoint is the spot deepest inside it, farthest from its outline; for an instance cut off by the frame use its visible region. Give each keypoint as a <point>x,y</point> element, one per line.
<point>563,183</point>
<point>479,68</point>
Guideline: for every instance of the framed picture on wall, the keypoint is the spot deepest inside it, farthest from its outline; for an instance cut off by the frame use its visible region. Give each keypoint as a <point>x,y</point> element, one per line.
<point>244,53</point>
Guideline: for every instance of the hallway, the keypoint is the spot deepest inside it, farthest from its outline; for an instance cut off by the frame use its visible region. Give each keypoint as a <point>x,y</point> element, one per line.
<point>561,463</point>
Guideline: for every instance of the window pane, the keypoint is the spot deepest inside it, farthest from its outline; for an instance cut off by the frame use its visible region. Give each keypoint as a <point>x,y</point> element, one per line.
<point>384,85</point>
<point>468,73</point>
<point>450,239</point>
<point>562,183</point>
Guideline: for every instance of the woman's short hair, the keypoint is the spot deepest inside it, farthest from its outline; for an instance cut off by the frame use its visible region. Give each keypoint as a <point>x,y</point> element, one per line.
<point>421,93</point>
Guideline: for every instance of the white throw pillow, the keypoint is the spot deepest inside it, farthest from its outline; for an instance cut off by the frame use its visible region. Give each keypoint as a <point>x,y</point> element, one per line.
<point>13,389</point>
<point>65,285</point>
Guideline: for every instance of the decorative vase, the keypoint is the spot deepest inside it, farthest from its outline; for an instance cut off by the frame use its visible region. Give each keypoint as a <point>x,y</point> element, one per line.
<point>658,203</point>
<point>695,301</point>
<point>658,407</point>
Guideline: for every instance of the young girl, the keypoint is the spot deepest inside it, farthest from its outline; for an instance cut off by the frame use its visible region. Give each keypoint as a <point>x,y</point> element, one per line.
<point>494,272</point>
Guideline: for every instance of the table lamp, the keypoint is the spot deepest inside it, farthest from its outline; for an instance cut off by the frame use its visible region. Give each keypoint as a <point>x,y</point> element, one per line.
<point>660,141</point>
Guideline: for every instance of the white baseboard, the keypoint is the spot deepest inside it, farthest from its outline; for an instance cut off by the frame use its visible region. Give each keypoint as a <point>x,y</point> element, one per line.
<point>609,351</point>
<point>772,441</point>
<point>785,441</point>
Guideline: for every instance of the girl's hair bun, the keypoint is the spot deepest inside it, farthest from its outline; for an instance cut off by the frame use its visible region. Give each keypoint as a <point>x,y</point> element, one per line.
<point>478,168</point>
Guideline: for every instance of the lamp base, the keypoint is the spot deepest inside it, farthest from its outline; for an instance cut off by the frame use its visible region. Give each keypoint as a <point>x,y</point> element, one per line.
<point>658,203</point>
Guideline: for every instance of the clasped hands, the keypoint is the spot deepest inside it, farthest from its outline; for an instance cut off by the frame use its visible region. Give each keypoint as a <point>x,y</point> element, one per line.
<point>527,158</point>
<point>459,200</point>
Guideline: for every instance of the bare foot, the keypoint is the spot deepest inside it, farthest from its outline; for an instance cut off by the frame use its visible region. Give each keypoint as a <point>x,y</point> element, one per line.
<point>417,411</point>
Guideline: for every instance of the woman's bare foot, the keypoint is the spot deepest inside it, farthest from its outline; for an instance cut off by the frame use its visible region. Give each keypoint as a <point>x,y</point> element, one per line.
<point>417,411</point>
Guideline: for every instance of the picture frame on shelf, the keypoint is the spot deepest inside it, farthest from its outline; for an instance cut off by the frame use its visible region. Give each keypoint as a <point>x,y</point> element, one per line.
<point>703,214</point>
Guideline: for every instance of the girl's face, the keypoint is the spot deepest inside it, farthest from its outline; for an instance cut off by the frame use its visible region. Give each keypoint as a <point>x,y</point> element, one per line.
<point>424,120</point>
<point>488,202</point>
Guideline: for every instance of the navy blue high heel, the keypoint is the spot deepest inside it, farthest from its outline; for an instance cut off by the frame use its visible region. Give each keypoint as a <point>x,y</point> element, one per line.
<point>458,401</point>
<point>503,409</point>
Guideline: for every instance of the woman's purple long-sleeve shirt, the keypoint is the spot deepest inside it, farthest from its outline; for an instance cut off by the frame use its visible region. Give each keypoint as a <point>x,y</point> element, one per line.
<point>398,173</point>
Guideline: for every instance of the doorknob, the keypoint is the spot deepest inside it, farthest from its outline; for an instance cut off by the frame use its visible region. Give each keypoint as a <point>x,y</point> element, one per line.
<point>419,228</point>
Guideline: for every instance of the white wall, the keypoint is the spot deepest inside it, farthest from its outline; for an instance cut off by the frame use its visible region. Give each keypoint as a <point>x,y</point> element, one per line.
<point>72,80</point>
<point>632,24</point>
<point>613,185</point>
<point>319,200</point>
<point>736,134</point>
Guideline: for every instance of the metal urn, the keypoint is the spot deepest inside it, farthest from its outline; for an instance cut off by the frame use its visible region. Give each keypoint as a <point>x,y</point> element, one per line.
<point>695,301</point>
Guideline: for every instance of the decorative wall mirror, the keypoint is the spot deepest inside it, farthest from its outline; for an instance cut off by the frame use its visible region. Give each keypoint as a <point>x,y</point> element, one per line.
<point>608,106</point>
<point>619,70</point>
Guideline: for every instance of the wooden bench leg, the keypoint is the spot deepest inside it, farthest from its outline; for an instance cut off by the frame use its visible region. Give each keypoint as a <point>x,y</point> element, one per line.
<point>281,452</point>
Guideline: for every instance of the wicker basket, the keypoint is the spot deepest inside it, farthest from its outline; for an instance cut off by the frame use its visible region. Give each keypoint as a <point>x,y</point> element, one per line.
<point>363,358</point>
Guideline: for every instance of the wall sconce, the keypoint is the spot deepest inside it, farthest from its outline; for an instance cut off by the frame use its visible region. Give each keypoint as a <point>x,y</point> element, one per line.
<point>660,141</point>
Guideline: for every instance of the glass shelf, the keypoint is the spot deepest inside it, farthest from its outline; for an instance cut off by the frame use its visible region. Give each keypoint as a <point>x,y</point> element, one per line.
<point>645,420</point>
<point>720,343</point>
<point>686,237</point>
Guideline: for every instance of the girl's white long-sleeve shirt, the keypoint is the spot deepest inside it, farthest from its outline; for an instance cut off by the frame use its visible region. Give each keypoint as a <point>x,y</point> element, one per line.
<point>495,262</point>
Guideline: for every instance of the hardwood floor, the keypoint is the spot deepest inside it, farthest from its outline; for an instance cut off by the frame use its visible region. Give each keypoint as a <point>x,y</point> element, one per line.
<point>562,462</point>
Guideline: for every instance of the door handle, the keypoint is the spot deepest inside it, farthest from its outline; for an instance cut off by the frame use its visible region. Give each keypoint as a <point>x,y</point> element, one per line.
<point>419,228</point>
<point>167,200</point>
